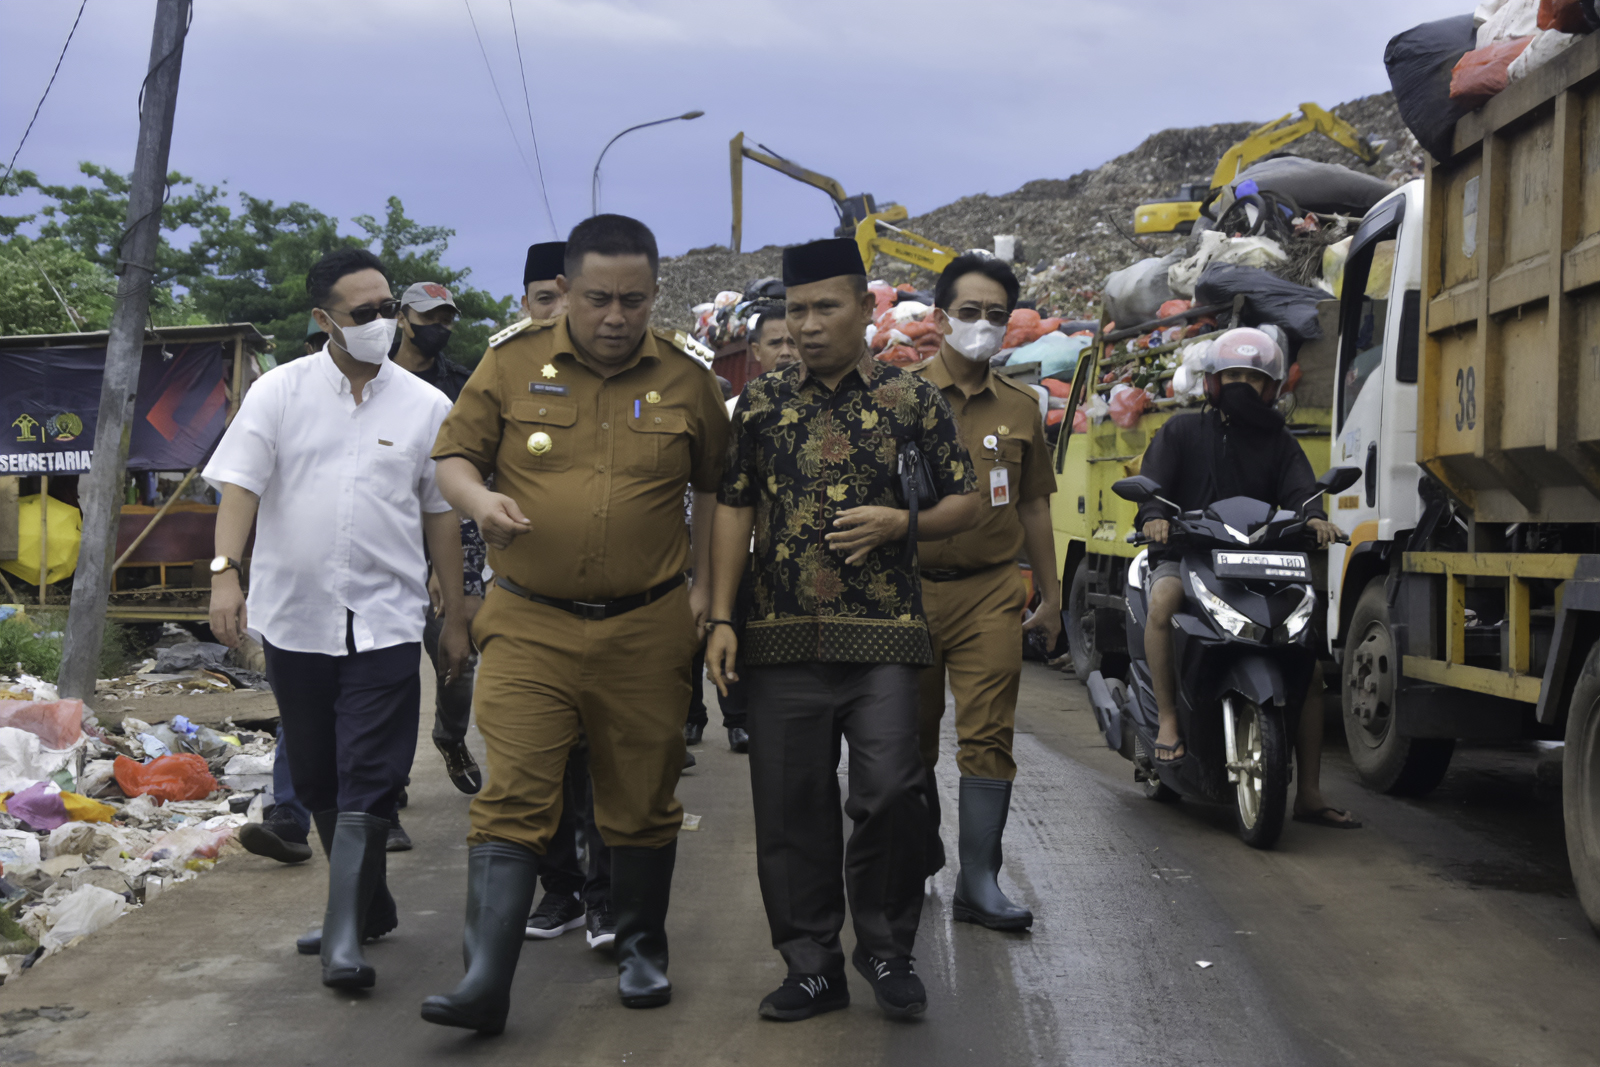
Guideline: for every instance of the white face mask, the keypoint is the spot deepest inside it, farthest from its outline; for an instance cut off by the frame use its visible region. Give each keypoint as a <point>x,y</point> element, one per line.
<point>369,343</point>
<point>977,341</point>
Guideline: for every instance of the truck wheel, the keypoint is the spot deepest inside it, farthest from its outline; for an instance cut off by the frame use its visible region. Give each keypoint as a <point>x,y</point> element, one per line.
<point>1387,762</point>
<point>1580,786</point>
<point>1262,793</point>
<point>1080,625</point>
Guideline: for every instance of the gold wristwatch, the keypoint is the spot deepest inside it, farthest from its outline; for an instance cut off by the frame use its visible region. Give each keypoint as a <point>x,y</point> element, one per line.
<point>222,564</point>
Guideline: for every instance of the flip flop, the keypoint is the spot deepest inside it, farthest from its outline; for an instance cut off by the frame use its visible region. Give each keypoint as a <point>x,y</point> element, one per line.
<point>1324,817</point>
<point>1176,755</point>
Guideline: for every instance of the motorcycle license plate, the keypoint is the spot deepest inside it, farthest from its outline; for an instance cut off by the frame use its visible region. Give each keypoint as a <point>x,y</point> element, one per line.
<point>1277,566</point>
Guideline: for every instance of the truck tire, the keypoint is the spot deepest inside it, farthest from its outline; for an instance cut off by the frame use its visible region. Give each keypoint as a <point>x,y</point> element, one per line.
<point>1580,786</point>
<point>1386,761</point>
<point>1079,619</point>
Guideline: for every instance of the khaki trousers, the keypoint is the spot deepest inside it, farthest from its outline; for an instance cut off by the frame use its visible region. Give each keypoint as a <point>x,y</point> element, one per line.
<point>976,627</point>
<point>544,676</point>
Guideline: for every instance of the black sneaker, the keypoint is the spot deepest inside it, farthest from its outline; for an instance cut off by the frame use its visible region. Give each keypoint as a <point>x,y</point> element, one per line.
<point>276,837</point>
<point>895,983</point>
<point>803,995</point>
<point>460,766</point>
<point>399,840</point>
<point>738,739</point>
<point>556,914</point>
<point>693,732</point>
<point>688,759</point>
<point>602,925</point>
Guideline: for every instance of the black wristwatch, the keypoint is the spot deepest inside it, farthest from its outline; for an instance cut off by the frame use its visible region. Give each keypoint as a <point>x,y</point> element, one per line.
<point>721,622</point>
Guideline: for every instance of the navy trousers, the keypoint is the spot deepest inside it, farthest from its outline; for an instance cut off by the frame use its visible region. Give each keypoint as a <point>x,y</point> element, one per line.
<point>349,724</point>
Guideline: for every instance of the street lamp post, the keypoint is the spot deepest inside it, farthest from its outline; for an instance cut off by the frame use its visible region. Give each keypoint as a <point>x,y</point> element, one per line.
<point>594,182</point>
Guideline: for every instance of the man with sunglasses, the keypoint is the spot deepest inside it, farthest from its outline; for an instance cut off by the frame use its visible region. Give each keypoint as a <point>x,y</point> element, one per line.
<point>972,589</point>
<point>328,456</point>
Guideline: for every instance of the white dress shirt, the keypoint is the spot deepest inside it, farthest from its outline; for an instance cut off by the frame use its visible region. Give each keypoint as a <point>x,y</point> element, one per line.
<point>343,487</point>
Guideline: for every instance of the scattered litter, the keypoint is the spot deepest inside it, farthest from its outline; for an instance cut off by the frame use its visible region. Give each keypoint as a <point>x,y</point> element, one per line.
<point>691,822</point>
<point>1202,964</point>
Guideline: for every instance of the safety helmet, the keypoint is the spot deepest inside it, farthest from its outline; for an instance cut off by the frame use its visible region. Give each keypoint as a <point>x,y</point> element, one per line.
<point>1247,349</point>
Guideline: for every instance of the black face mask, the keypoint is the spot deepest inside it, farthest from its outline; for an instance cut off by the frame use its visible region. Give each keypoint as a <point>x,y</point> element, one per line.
<point>1244,407</point>
<point>430,339</point>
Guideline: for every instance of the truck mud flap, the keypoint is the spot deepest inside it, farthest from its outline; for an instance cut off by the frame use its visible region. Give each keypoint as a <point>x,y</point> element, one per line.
<point>1107,712</point>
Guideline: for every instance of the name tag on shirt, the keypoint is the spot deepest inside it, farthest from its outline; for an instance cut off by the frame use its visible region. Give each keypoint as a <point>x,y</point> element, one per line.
<point>999,487</point>
<point>546,387</point>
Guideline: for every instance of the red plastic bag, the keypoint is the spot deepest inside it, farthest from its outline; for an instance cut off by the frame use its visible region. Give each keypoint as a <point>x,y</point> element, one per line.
<point>1173,307</point>
<point>1481,73</point>
<point>1127,404</point>
<point>1054,416</point>
<point>1020,330</point>
<point>56,723</point>
<point>181,777</point>
<point>1057,387</point>
<point>1565,16</point>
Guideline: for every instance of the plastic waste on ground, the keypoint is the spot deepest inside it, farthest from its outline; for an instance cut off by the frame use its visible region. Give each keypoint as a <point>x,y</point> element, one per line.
<point>79,914</point>
<point>177,848</point>
<point>184,776</point>
<point>38,807</point>
<point>57,723</point>
<point>24,759</point>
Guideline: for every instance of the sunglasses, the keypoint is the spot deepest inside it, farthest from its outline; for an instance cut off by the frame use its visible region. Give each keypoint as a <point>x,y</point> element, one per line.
<point>995,316</point>
<point>386,309</point>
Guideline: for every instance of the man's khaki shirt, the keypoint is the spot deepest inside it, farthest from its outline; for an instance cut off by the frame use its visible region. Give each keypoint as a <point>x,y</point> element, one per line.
<point>598,465</point>
<point>1001,427</point>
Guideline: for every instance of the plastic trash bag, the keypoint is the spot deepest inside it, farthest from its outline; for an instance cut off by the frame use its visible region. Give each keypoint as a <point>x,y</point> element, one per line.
<point>19,849</point>
<point>1420,62</point>
<point>1096,408</point>
<point>57,723</point>
<point>24,759</point>
<point>1545,46</point>
<point>38,807</point>
<point>1313,186</point>
<point>180,777</point>
<point>1507,20</point>
<point>176,848</point>
<point>79,914</point>
<point>1268,298</point>
<point>1216,247</point>
<point>1128,403</point>
<point>1056,353</point>
<point>1568,16</point>
<point>1134,294</point>
<point>1483,72</point>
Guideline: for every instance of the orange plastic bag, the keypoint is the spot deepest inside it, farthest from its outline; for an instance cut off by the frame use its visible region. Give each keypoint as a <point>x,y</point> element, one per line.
<point>1020,330</point>
<point>181,777</point>
<point>56,723</point>
<point>1127,404</point>
<point>901,356</point>
<point>1565,16</point>
<point>1173,307</point>
<point>1054,416</point>
<point>1057,387</point>
<point>1481,73</point>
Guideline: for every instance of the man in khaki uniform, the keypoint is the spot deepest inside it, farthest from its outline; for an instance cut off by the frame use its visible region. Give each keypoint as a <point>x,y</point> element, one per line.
<point>592,426</point>
<point>972,589</point>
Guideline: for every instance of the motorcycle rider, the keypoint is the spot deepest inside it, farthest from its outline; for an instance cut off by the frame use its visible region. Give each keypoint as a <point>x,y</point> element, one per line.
<point>1237,446</point>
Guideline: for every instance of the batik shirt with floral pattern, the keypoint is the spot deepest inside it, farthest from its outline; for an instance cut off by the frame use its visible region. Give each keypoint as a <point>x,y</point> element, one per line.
<point>800,454</point>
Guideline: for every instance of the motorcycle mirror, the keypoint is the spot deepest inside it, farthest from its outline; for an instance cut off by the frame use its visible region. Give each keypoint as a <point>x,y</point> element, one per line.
<point>1138,489</point>
<point>1334,480</point>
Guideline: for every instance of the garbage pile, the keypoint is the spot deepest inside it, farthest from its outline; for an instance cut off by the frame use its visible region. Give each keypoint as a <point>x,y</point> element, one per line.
<point>94,822</point>
<point>1445,69</point>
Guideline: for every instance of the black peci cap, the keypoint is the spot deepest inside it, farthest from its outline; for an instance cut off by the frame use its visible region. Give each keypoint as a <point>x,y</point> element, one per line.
<point>545,261</point>
<point>832,258</point>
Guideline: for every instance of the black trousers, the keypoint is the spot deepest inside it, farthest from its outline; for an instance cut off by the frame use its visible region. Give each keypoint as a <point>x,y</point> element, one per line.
<point>452,704</point>
<point>798,713</point>
<point>349,722</point>
<point>576,860</point>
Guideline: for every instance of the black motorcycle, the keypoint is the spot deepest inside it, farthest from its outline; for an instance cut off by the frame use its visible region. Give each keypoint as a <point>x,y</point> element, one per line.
<point>1241,651</point>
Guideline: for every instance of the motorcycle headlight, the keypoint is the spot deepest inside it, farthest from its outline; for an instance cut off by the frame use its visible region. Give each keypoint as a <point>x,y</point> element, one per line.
<point>1301,618</point>
<point>1223,614</point>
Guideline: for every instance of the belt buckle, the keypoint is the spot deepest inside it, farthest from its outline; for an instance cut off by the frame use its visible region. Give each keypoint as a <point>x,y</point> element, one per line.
<point>590,612</point>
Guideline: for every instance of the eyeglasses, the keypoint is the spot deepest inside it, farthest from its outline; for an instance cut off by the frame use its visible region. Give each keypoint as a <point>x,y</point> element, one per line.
<point>994,316</point>
<point>386,309</point>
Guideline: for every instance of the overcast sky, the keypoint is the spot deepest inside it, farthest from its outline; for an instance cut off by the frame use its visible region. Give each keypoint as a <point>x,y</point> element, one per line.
<point>341,104</point>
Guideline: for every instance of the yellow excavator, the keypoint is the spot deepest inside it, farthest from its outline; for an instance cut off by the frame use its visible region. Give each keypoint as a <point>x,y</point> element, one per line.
<point>1179,214</point>
<point>860,216</point>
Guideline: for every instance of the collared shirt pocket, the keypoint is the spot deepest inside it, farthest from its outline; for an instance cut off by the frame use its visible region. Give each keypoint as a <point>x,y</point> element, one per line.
<point>658,443</point>
<point>394,468</point>
<point>539,434</point>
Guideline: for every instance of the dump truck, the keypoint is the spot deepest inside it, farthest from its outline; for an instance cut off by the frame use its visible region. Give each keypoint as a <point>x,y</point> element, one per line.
<point>1092,523</point>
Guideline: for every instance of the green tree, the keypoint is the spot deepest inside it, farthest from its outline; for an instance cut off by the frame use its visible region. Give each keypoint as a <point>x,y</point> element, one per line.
<point>41,280</point>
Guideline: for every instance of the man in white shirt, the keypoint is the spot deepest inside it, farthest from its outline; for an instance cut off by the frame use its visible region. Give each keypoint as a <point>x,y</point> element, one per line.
<point>329,457</point>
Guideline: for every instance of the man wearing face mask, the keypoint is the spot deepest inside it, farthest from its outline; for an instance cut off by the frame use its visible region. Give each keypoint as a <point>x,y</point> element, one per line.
<point>972,589</point>
<point>328,458</point>
<point>427,319</point>
<point>1238,447</point>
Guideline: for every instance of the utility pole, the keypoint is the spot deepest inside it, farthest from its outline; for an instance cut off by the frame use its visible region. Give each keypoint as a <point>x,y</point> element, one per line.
<point>100,491</point>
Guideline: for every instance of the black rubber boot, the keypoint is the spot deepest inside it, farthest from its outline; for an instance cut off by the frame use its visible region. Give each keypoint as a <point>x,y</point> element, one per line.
<point>641,885</point>
<point>978,899</point>
<point>382,915</point>
<point>355,868</point>
<point>934,849</point>
<point>501,880</point>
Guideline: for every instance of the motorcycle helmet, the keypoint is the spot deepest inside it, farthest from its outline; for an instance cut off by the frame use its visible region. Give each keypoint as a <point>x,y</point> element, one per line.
<point>1249,349</point>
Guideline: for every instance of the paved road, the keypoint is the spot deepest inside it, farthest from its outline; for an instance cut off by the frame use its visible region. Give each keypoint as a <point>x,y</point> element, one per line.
<point>1445,932</point>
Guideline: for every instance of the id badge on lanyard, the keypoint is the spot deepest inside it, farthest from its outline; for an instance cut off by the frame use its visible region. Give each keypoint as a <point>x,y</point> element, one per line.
<point>999,488</point>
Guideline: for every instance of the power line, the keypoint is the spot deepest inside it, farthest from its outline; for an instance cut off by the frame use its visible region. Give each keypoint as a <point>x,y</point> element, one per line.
<point>525,103</point>
<point>510,126</point>
<point>10,166</point>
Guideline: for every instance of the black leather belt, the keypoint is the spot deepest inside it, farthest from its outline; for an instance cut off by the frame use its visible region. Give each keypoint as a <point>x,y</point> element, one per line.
<point>955,574</point>
<point>608,609</point>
